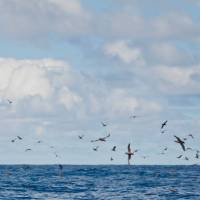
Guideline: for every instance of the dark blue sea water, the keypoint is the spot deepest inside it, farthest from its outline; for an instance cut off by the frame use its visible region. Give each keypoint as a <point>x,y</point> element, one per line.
<point>100,182</point>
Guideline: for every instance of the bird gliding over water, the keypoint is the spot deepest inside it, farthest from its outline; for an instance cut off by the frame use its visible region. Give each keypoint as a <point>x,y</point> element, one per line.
<point>129,153</point>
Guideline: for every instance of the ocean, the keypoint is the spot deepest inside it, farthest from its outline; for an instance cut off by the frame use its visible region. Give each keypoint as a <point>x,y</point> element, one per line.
<point>99,182</point>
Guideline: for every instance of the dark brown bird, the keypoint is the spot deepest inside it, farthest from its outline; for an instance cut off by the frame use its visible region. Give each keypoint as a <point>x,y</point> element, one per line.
<point>197,154</point>
<point>80,137</point>
<point>103,139</point>
<point>129,153</point>
<point>95,148</point>
<point>20,138</point>
<point>190,135</point>
<point>164,124</point>
<point>111,159</point>
<point>179,156</point>
<point>9,101</point>
<point>114,148</point>
<point>103,124</point>
<point>186,158</point>
<point>181,142</point>
<point>28,150</point>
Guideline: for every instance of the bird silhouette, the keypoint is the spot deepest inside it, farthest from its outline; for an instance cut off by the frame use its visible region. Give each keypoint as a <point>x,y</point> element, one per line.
<point>129,153</point>
<point>103,139</point>
<point>181,142</point>
<point>179,156</point>
<point>164,124</point>
<point>103,124</point>
<point>114,148</point>
<point>190,135</point>
<point>96,148</point>
<point>80,137</point>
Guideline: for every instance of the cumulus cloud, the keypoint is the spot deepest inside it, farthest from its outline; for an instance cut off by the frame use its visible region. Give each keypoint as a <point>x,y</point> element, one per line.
<point>124,52</point>
<point>35,19</point>
<point>68,98</point>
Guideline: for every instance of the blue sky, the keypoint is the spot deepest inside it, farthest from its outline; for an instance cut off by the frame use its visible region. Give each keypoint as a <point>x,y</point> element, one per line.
<point>67,65</point>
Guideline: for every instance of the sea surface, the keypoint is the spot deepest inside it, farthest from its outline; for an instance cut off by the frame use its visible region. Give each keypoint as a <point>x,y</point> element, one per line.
<point>99,182</point>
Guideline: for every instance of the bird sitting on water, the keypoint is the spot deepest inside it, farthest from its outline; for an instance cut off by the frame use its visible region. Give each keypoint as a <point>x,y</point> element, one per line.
<point>129,153</point>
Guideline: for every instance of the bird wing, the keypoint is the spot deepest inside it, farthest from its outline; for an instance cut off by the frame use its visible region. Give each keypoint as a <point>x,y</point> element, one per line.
<point>129,147</point>
<point>183,146</point>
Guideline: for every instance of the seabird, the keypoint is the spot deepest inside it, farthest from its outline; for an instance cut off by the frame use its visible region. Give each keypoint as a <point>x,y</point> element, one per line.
<point>96,148</point>
<point>114,148</point>
<point>197,154</point>
<point>179,141</point>
<point>190,135</point>
<point>28,150</point>
<point>186,158</point>
<point>129,153</point>
<point>20,138</point>
<point>111,159</point>
<point>80,137</point>
<point>164,124</point>
<point>60,167</point>
<point>13,140</point>
<point>133,116</point>
<point>163,131</point>
<point>9,101</point>
<point>103,124</point>
<point>179,156</point>
<point>189,148</point>
<point>39,141</point>
<point>103,139</point>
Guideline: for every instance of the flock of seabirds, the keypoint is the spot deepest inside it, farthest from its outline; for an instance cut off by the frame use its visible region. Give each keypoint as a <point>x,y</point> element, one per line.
<point>180,141</point>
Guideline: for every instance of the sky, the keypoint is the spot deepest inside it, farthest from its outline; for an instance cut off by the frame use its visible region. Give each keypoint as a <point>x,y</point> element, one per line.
<point>68,65</point>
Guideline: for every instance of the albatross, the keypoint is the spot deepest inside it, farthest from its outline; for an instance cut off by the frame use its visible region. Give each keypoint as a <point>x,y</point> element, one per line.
<point>129,153</point>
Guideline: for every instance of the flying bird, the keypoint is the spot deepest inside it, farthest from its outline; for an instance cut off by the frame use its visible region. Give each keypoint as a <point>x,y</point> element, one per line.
<point>111,159</point>
<point>103,124</point>
<point>164,124</point>
<point>114,148</point>
<point>179,156</point>
<point>9,101</point>
<point>197,154</point>
<point>186,158</point>
<point>190,135</point>
<point>13,140</point>
<point>129,153</point>
<point>181,142</point>
<point>103,139</point>
<point>133,116</point>
<point>28,150</point>
<point>95,148</point>
<point>80,137</point>
<point>163,131</point>
<point>20,138</point>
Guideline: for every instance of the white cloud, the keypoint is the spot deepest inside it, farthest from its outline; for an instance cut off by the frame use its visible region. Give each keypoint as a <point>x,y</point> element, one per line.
<point>68,98</point>
<point>124,52</point>
<point>22,78</point>
<point>69,6</point>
